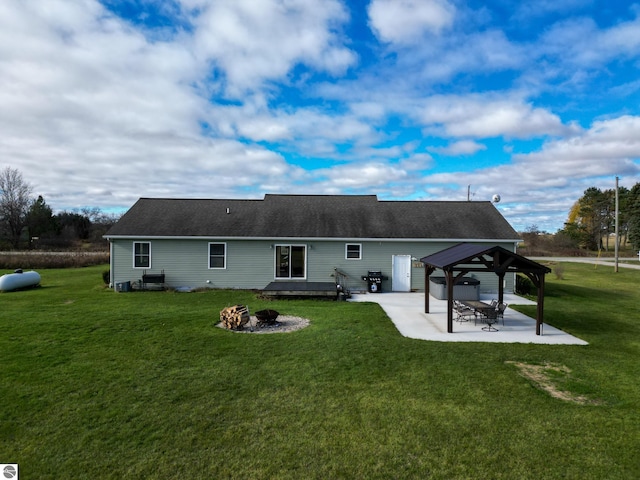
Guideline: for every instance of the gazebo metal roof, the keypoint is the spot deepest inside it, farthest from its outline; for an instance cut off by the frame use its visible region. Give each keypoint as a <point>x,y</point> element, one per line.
<point>458,260</point>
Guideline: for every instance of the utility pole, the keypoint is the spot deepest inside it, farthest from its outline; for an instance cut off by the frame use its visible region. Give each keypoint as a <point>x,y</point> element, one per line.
<point>616,247</point>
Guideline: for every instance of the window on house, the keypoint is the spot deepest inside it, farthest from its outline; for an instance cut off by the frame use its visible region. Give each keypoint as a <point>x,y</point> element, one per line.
<point>141,254</point>
<point>353,251</point>
<point>217,255</point>
<point>291,261</point>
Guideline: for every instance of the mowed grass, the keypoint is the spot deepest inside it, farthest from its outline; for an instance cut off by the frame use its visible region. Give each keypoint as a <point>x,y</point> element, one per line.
<point>97,384</point>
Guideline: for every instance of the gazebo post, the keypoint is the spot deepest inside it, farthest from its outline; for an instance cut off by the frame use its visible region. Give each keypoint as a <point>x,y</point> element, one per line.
<point>540,309</point>
<point>449,281</point>
<point>426,289</point>
<point>501,287</point>
<point>427,273</point>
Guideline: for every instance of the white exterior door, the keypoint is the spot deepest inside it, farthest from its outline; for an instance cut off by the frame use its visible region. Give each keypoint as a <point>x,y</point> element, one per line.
<point>401,276</point>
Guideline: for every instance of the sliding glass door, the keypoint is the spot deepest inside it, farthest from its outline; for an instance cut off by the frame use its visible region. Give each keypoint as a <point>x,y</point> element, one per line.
<point>291,261</point>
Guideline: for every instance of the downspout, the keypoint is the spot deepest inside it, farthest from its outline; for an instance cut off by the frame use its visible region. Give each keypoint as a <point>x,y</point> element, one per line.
<point>112,276</point>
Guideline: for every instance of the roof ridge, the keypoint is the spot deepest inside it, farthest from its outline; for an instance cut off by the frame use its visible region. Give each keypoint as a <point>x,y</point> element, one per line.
<point>316,195</point>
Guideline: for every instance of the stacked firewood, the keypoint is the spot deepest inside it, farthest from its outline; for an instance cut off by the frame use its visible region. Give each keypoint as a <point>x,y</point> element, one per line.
<point>235,317</point>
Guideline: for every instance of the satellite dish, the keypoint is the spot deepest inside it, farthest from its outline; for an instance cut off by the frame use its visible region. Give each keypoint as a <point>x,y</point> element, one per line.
<point>495,198</point>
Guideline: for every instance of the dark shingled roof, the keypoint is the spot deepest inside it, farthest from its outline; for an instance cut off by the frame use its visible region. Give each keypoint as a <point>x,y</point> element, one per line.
<point>313,216</point>
<point>454,255</point>
<point>468,253</point>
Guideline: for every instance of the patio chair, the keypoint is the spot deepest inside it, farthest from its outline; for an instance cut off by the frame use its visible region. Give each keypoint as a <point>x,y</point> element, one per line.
<point>487,315</point>
<point>463,312</point>
<point>500,311</point>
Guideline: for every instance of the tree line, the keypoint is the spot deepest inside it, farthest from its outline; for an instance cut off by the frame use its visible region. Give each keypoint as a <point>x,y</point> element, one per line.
<point>591,221</point>
<point>28,222</point>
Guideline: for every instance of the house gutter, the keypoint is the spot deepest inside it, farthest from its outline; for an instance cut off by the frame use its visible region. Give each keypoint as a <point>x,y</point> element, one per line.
<point>316,239</point>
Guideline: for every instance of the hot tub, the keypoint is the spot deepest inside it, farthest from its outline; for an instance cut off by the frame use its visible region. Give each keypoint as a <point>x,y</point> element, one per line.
<point>467,288</point>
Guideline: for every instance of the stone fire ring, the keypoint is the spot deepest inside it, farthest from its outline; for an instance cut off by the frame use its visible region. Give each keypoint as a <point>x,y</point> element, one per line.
<point>284,324</point>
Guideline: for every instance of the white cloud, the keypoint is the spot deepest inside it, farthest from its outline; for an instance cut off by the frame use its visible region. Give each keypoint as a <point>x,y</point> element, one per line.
<point>309,131</point>
<point>87,100</point>
<point>579,42</point>
<point>253,41</point>
<point>462,147</point>
<point>609,146</point>
<point>553,178</point>
<point>410,78</point>
<point>483,116</point>
<point>623,38</point>
<point>416,162</point>
<point>406,21</point>
<point>97,74</point>
<point>362,176</point>
<point>479,52</point>
<point>369,110</point>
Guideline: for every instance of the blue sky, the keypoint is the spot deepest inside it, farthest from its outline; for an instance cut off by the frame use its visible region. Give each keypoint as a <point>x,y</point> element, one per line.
<point>107,101</point>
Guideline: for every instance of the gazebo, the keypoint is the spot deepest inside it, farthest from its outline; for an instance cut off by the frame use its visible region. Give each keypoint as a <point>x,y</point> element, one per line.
<point>464,258</point>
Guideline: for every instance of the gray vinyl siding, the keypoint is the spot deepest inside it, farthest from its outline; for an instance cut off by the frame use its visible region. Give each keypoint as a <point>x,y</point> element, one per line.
<point>250,264</point>
<point>378,256</point>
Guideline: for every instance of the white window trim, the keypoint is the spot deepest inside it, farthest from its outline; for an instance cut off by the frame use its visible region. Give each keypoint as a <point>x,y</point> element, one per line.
<point>346,251</point>
<point>275,261</point>
<point>134,255</point>
<point>209,255</point>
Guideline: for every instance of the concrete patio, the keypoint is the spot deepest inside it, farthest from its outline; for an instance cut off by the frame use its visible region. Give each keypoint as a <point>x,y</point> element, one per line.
<point>406,311</point>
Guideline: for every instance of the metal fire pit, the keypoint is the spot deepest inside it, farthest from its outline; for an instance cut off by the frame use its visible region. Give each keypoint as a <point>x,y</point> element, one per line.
<point>266,317</point>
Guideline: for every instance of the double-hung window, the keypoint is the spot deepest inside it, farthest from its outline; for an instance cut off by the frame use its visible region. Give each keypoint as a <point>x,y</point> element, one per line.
<point>353,251</point>
<point>217,255</point>
<point>141,254</point>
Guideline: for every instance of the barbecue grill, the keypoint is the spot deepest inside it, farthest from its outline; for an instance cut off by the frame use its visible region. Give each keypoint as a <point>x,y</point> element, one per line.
<point>374,281</point>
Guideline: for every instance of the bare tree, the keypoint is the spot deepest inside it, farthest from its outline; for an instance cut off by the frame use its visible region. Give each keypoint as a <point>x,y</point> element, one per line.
<point>15,199</point>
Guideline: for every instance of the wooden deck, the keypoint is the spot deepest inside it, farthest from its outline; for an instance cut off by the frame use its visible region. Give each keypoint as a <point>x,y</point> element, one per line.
<point>300,289</point>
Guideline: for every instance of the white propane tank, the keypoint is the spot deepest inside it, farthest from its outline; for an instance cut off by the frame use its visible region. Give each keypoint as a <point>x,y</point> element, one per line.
<point>13,281</point>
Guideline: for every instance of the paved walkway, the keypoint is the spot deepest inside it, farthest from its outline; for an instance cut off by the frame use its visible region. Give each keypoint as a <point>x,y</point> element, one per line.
<point>626,262</point>
<point>406,311</point>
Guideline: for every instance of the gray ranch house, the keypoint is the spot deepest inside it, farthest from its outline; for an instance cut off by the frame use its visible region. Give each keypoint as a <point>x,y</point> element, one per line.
<point>250,244</point>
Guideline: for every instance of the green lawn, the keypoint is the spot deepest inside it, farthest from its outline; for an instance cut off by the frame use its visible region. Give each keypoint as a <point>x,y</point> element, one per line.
<point>97,385</point>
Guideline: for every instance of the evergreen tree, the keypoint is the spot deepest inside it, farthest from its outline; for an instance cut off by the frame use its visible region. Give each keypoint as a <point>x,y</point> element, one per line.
<point>633,216</point>
<point>40,219</point>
